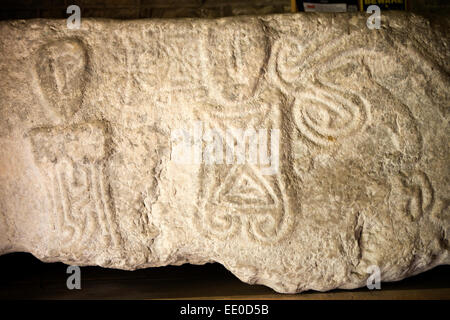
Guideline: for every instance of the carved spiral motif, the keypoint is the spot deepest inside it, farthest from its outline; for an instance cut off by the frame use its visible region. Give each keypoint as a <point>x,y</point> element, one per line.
<point>324,117</point>
<point>324,112</point>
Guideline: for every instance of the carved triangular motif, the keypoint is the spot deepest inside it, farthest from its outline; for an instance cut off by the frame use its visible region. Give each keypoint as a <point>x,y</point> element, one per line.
<point>245,188</point>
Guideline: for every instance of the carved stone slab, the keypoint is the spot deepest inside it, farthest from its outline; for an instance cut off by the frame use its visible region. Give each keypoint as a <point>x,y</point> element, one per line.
<point>299,151</point>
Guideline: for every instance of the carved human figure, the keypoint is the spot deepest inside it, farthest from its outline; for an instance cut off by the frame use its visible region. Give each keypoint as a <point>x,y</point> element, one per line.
<point>73,161</point>
<point>236,64</point>
<point>61,71</point>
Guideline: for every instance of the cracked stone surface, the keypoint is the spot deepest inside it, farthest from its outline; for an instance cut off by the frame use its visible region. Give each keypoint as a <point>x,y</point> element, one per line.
<point>358,171</point>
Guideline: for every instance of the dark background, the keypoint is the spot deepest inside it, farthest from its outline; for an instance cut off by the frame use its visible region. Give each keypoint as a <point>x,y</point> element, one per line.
<point>24,277</point>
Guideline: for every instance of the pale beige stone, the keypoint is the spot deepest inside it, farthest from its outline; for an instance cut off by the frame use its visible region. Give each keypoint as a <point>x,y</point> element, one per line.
<point>87,170</point>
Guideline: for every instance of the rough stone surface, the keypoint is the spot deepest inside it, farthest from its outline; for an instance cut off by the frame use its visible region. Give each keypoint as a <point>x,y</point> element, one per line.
<point>87,170</point>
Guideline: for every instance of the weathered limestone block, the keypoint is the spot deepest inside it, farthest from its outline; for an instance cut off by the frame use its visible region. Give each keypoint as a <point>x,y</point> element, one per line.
<point>296,150</point>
